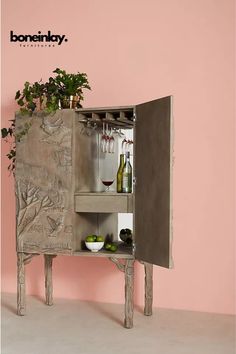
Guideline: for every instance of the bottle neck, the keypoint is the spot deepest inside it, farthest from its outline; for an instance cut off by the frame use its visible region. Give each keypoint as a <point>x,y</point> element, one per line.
<point>122,158</point>
<point>127,156</point>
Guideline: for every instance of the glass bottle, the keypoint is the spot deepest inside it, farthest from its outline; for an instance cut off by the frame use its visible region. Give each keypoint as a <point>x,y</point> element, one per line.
<point>127,175</point>
<point>119,173</point>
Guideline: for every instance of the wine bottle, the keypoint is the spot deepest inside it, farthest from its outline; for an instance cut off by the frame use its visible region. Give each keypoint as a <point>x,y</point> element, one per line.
<point>119,174</point>
<point>127,175</point>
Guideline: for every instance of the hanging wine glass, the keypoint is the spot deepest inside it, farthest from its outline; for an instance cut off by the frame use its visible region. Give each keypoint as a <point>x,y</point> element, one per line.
<point>111,142</point>
<point>107,144</point>
<point>124,145</point>
<point>129,145</point>
<point>103,139</point>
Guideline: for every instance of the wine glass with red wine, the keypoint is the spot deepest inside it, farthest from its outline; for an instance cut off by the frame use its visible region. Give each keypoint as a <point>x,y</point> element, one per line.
<point>107,184</point>
<point>108,166</point>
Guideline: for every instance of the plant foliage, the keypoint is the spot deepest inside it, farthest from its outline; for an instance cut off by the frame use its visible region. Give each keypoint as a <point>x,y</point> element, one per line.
<point>43,96</point>
<point>10,136</point>
<point>47,96</point>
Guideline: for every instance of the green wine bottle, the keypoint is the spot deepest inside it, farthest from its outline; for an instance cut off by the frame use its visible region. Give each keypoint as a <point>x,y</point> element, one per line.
<point>127,175</point>
<point>119,174</point>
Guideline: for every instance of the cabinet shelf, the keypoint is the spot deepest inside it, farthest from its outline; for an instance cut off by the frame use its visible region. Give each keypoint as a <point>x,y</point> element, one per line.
<point>106,254</point>
<point>124,251</point>
<point>106,202</point>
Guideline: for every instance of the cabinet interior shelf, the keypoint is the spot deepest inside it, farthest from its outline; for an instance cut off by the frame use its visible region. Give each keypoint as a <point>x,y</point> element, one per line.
<point>104,254</point>
<point>123,254</point>
<point>123,251</point>
<point>106,202</point>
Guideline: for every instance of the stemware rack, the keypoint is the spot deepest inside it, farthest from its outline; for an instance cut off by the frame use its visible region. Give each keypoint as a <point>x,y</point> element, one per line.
<point>116,118</point>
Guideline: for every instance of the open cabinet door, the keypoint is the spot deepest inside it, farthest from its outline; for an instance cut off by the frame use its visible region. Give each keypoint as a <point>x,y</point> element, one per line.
<point>153,174</point>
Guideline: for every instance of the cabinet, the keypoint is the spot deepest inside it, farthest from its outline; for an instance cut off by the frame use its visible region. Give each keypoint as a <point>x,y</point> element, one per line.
<point>59,199</point>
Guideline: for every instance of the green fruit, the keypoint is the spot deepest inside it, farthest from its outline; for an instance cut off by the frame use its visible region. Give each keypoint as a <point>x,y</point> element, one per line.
<point>100,239</point>
<point>90,238</point>
<point>108,246</point>
<point>113,248</point>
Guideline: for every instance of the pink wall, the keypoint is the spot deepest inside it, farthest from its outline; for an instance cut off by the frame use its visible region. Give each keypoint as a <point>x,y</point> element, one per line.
<point>133,51</point>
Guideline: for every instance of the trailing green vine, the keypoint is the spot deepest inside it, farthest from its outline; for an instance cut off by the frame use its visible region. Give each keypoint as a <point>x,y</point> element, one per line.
<point>9,135</point>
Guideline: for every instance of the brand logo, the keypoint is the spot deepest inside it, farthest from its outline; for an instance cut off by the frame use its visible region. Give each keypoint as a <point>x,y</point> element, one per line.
<point>42,38</point>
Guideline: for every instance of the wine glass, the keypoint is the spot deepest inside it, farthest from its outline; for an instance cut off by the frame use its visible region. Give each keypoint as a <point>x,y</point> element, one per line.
<point>107,183</point>
<point>107,167</point>
<point>111,142</point>
<point>103,139</point>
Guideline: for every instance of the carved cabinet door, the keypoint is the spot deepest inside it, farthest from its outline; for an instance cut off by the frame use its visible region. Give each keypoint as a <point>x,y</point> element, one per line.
<point>43,177</point>
<point>153,173</point>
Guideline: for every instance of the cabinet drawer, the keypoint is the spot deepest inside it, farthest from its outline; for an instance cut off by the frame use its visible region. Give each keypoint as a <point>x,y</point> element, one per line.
<point>103,203</point>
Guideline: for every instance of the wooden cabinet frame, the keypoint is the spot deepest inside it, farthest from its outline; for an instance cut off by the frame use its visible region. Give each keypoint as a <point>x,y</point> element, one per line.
<point>59,201</point>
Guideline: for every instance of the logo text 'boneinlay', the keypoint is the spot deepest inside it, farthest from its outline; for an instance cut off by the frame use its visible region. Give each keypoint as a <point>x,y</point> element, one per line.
<point>43,38</point>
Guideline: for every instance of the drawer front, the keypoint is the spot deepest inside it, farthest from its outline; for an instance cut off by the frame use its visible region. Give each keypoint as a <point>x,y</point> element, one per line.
<point>101,204</point>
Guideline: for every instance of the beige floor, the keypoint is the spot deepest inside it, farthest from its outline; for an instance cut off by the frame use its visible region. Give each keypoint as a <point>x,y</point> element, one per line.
<point>71,327</point>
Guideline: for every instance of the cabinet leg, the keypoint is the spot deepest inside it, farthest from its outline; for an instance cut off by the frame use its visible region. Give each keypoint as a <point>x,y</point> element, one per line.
<point>48,279</point>
<point>148,288</point>
<point>20,284</point>
<point>129,292</point>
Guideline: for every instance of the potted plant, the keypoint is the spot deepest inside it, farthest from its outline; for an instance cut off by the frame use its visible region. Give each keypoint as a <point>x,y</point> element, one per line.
<point>62,91</point>
<point>70,87</point>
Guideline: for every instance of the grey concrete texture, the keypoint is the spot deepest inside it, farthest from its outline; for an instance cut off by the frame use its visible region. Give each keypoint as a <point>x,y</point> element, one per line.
<point>77,327</point>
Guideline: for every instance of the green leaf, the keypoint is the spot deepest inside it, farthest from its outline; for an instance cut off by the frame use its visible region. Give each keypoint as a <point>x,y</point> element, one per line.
<point>4,132</point>
<point>10,131</point>
<point>11,154</point>
<point>31,106</point>
<point>17,95</point>
<point>20,102</point>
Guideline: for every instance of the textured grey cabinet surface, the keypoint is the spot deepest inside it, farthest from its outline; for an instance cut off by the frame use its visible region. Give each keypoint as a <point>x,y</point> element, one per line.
<point>58,190</point>
<point>44,181</point>
<point>153,172</point>
<point>58,201</point>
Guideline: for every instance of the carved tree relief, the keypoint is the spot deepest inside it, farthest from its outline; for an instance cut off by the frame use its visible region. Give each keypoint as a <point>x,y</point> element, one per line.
<point>43,184</point>
<point>30,204</point>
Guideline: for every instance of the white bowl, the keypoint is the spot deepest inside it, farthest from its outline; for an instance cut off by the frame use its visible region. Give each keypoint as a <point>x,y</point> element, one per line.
<point>94,246</point>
